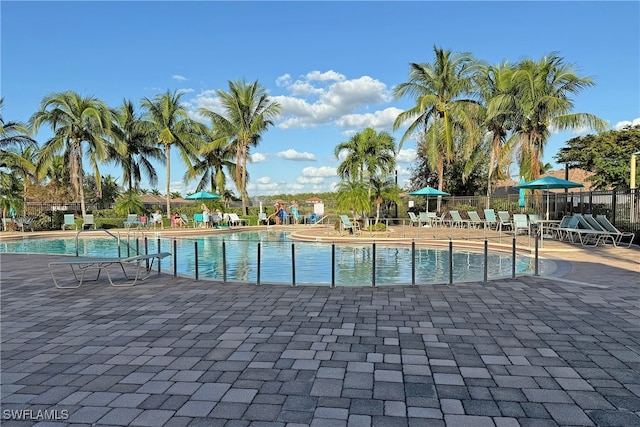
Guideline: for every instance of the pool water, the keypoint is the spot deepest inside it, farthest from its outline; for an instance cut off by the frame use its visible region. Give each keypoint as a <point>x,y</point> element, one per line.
<point>353,265</point>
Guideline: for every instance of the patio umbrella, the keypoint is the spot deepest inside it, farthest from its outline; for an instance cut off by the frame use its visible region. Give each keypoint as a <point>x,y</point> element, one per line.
<point>547,183</point>
<point>428,191</point>
<point>202,195</point>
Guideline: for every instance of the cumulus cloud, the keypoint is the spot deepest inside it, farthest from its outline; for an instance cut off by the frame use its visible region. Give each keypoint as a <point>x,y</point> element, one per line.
<point>379,120</point>
<point>322,171</point>
<point>322,97</point>
<point>406,155</point>
<point>292,154</point>
<point>626,123</point>
<point>258,158</point>
<point>179,78</point>
<point>310,179</point>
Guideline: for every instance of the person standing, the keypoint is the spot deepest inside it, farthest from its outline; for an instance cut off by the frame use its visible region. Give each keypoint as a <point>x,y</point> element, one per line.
<point>294,212</point>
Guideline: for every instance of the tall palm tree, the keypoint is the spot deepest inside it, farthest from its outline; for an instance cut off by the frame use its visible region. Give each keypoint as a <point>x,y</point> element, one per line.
<point>248,113</point>
<point>135,147</point>
<point>444,101</point>
<point>216,155</point>
<point>76,121</point>
<point>383,188</point>
<point>172,128</point>
<point>543,90</point>
<point>368,153</point>
<point>496,86</point>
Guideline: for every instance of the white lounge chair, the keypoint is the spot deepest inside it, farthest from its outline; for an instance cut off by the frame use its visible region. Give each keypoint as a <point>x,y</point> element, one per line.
<point>80,265</point>
<point>234,219</point>
<point>520,223</point>
<point>88,221</point>
<point>132,219</point>
<point>413,219</point>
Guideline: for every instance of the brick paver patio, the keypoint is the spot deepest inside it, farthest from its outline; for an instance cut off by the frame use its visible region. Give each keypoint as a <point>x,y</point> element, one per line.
<point>527,352</point>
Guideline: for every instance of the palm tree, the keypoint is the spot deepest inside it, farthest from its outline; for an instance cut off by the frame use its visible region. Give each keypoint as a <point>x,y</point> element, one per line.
<point>216,155</point>
<point>75,121</point>
<point>498,91</point>
<point>443,96</point>
<point>352,195</point>
<point>368,153</point>
<point>383,188</point>
<point>135,147</point>
<point>172,128</point>
<point>13,136</point>
<point>248,112</point>
<point>543,90</point>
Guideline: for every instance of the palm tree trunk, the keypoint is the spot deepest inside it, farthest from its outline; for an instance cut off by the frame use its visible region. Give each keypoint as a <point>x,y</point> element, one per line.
<point>243,189</point>
<point>492,160</point>
<point>440,180</point>
<point>167,157</point>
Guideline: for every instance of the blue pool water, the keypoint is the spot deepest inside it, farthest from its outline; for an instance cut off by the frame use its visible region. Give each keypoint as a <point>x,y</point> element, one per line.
<point>313,261</point>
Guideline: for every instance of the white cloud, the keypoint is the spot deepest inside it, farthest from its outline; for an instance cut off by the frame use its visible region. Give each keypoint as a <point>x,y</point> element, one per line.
<point>186,90</point>
<point>310,179</point>
<point>322,171</point>
<point>380,120</point>
<point>257,158</point>
<point>292,154</point>
<point>406,155</point>
<point>264,180</point>
<point>326,76</point>
<point>179,78</point>
<point>625,123</point>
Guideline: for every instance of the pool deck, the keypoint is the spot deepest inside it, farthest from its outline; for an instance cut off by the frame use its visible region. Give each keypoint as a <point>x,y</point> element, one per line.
<point>533,351</point>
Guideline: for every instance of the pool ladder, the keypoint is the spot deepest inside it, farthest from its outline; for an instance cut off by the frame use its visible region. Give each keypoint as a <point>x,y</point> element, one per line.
<point>110,234</point>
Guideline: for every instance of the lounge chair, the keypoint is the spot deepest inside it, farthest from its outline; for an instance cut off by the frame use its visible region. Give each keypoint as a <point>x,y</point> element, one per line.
<point>263,218</point>
<point>490,219</point>
<point>234,219</point>
<point>618,235</point>
<point>579,230</point>
<point>80,265</point>
<point>456,220</point>
<point>24,223</point>
<point>88,221</point>
<point>198,219</point>
<point>156,218</point>
<point>424,220</point>
<point>69,221</point>
<point>185,219</point>
<point>474,219</point>
<point>132,219</point>
<point>520,223</point>
<point>346,224</point>
<point>504,220</point>
<point>413,219</point>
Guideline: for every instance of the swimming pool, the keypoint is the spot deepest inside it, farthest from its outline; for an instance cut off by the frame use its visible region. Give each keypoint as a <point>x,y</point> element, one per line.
<point>353,264</point>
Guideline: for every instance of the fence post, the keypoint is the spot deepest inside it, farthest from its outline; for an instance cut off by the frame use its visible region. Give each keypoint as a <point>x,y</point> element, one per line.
<point>413,262</point>
<point>146,251</point>
<point>258,266</point>
<point>486,260</point>
<point>159,261</point>
<point>293,264</point>
<point>536,257</point>
<point>373,266</point>
<point>333,265</point>
<point>119,250</point>
<point>196,257</point>
<point>224,261</point>
<point>513,258</point>
<point>175,258</point>
<point>450,262</point>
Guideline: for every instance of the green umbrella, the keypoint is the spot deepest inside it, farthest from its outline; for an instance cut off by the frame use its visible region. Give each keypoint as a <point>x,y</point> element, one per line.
<point>428,191</point>
<point>547,183</point>
<point>202,195</point>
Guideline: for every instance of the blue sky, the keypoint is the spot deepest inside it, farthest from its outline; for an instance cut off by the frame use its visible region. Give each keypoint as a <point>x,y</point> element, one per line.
<point>331,65</point>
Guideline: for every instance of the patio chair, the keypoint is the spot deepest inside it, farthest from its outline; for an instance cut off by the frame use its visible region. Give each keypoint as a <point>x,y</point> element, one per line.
<point>234,219</point>
<point>185,219</point>
<point>520,223</point>
<point>263,218</point>
<point>504,220</point>
<point>156,218</point>
<point>346,224</point>
<point>438,220</point>
<point>413,219</point>
<point>579,230</point>
<point>456,220</point>
<point>132,219</point>
<point>80,265</point>
<point>490,219</point>
<point>24,223</point>
<point>423,219</point>
<point>198,218</point>
<point>590,219</point>
<point>69,221</point>
<point>474,219</point>
<point>88,221</point>
<point>619,235</point>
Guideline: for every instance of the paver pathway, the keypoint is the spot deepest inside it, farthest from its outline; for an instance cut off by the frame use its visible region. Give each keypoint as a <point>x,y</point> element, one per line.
<point>530,352</point>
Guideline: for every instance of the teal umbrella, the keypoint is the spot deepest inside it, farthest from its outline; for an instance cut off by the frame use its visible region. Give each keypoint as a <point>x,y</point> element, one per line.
<point>521,198</point>
<point>428,191</point>
<point>12,212</point>
<point>202,195</point>
<point>547,183</point>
